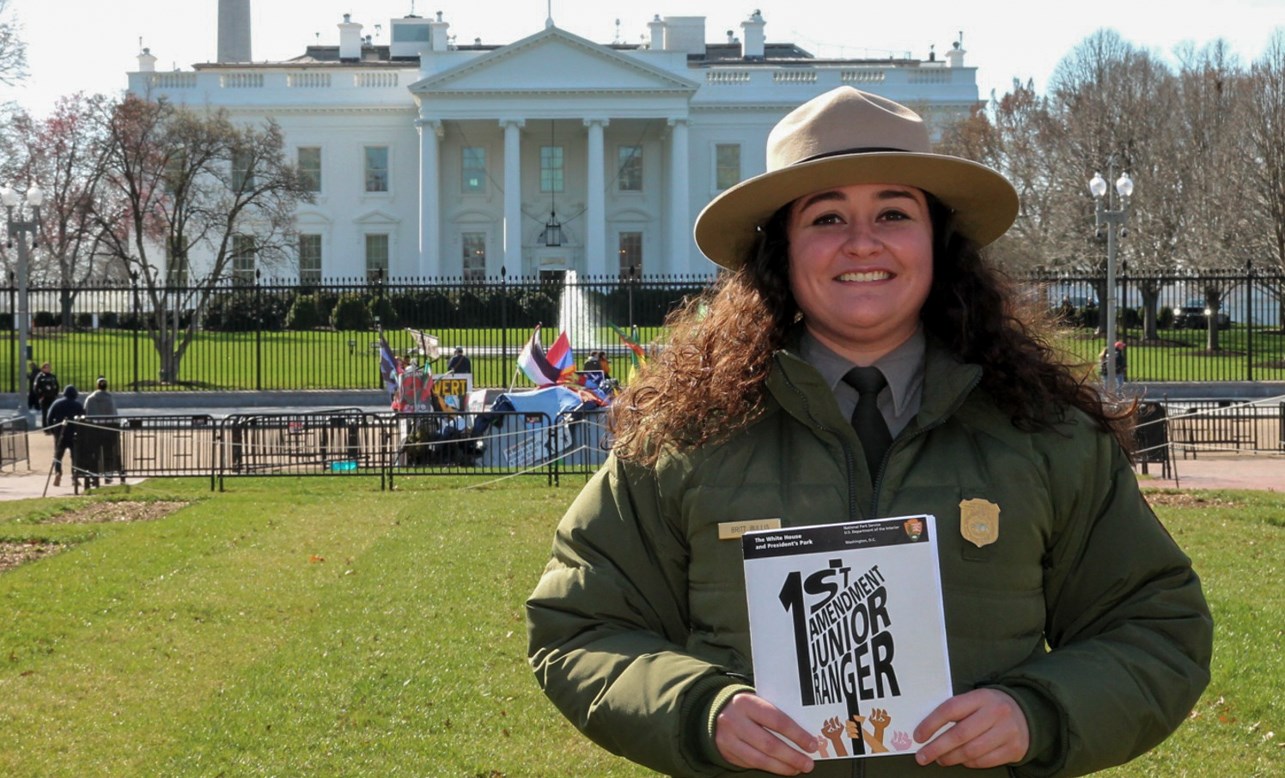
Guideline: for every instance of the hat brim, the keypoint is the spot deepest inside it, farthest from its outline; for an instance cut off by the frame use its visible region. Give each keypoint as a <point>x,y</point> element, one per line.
<point>983,201</point>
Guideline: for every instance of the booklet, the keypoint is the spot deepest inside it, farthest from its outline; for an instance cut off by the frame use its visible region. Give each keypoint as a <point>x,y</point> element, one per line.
<point>847,630</point>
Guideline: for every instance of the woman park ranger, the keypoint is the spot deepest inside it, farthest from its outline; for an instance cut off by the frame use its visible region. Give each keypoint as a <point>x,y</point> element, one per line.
<point>1077,632</point>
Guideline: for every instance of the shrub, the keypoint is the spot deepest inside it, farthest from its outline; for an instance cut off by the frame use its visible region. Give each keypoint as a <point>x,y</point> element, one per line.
<point>351,313</point>
<point>243,310</point>
<point>381,308</point>
<point>305,313</point>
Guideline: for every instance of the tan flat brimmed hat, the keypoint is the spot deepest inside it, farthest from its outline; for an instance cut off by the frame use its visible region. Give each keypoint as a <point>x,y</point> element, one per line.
<point>845,137</point>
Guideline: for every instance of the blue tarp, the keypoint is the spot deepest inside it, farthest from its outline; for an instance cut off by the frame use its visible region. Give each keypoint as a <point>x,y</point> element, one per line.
<point>552,401</point>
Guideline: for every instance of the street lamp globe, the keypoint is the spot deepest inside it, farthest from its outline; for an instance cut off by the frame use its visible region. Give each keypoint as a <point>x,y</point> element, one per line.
<point>35,197</point>
<point>1124,185</point>
<point>9,197</point>
<point>1098,185</point>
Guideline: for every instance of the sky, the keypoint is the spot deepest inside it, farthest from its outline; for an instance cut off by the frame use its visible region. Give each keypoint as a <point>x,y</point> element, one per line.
<point>89,45</point>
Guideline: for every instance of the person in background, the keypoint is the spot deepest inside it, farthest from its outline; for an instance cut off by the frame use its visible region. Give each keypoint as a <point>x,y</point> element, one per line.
<point>1115,352</point>
<point>101,407</point>
<point>33,402</point>
<point>856,297</point>
<point>460,363</point>
<point>45,387</point>
<point>59,424</point>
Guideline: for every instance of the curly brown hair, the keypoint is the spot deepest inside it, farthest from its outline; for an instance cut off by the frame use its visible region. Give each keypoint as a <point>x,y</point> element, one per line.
<point>709,379</point>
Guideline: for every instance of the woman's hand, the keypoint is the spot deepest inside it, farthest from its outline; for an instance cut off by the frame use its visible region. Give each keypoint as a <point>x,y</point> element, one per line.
<point>743,735</point>
<point>990,730</point>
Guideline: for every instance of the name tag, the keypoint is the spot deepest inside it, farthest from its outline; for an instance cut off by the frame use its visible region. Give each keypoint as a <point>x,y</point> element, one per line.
<point>733,530</point>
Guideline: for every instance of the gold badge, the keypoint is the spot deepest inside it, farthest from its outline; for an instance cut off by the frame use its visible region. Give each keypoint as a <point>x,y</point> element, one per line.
<point>979,522</point>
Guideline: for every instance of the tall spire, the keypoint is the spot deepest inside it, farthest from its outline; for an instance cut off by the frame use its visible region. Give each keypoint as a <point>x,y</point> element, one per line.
<point>548,22</point>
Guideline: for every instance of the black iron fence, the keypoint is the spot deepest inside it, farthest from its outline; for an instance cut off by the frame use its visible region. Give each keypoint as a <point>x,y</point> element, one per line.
<point>283,336</point>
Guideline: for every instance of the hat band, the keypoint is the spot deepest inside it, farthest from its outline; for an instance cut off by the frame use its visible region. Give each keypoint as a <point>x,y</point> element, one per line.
<point>841,152</point>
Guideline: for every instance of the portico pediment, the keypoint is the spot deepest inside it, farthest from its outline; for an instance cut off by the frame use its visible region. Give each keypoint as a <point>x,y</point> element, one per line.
<point>552,61</point>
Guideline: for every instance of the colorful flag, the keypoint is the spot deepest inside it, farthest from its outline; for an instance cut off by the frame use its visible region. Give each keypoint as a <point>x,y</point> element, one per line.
<point>561,358</point>
<point>388,368</point>
<point>428,345</point>
<point>637,354</point>
<point>546,369</point>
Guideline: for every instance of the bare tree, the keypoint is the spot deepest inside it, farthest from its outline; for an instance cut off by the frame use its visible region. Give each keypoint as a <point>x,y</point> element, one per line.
<point>192,193</point>
<point>13,50</point>
<point>1265,99</point>
<point>1212,165</point>
<point>62,154</point>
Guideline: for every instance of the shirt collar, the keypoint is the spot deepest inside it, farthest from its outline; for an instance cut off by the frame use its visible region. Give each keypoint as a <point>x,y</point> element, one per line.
<point>903,367</point>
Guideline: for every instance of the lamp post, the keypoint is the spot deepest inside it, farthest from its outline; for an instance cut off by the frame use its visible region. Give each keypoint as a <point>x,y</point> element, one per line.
<point>13,206</point>
<point>1113,221</point>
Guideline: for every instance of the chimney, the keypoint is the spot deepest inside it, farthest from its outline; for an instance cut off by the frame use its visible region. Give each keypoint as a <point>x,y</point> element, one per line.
<point>438,35</point>
<point>147,62</point>
<point>234,31</point>
<point>685,34</point>
<point>752,36</point>
<point>349,39</point>
<point>656,28</point>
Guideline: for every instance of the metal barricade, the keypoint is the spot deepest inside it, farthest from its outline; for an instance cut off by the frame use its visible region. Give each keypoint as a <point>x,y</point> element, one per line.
<point>169,445</point>
<point>342,442</point>
<point>14,446</point>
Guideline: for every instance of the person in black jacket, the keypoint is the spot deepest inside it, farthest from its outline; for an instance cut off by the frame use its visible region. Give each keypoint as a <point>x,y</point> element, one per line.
<point>59,418</point>
<point>45,388</point>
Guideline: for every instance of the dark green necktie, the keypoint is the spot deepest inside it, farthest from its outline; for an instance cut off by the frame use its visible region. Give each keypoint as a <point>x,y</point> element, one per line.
<point>866,418</point>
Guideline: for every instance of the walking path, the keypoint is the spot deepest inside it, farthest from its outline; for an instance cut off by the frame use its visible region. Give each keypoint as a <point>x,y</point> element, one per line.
<point>1232,470</point>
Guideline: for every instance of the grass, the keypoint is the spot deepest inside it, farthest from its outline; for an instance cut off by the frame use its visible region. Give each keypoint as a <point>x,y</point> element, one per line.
<point>324,359</point>
<point>314,359</point>
<point>322,627</point>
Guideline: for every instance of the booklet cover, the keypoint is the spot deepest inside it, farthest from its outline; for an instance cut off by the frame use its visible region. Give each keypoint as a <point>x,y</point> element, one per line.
<point>847,630</point>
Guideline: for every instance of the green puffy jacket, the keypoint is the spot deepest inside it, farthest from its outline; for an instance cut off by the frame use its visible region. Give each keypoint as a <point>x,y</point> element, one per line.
<point>1084,609</point>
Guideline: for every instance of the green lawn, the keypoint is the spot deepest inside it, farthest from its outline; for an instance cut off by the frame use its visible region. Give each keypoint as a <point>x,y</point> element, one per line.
<point>321,627</point>
<point>315,359</point>
<point>325,359</point>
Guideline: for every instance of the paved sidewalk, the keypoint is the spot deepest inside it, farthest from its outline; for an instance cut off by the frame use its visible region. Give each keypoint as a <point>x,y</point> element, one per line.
<point>1210,471</point>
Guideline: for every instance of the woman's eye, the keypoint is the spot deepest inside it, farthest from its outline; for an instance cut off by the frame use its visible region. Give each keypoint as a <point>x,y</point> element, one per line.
<point>828,218</point>
<point>894,215</point>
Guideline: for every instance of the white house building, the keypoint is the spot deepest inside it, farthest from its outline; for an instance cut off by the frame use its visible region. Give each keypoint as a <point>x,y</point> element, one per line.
<point>432,158</point>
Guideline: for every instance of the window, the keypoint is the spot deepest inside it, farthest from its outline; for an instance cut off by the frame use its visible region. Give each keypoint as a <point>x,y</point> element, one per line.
<point>310,167</point>
<point>242,170</point>
<point>376,256</point>
<point>629,165</point>
<point>630,254</point>
<point>176,268</point>
<point>550,168</point>
<point>474,256</point>
<point>473,170</point>
<point>376,168</point>
<point>242,260</point>
<point>727,165</point>
<point>309,259</point>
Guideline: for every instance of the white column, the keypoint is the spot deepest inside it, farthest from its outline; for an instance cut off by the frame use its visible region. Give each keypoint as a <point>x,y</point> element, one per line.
<point>430,198</point>
<point>680,225</point>
<point>595,211</point>
<point>512,195</point>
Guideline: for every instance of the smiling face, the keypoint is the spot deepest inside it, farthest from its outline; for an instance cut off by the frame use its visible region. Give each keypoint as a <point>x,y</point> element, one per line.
<point>861,261</point>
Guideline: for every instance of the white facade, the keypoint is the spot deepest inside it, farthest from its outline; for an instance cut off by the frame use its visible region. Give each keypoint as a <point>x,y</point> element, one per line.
<point>429,152</point>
